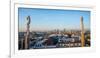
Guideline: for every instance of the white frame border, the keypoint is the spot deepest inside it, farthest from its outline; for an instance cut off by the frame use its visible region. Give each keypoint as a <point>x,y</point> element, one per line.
<point>14,34</point>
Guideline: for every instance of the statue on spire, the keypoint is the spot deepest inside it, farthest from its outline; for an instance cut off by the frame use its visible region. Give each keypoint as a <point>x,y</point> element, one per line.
<point>27,32</point>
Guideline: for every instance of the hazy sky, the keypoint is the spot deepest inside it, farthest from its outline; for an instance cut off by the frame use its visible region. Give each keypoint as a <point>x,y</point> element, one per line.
<point>49,19</point>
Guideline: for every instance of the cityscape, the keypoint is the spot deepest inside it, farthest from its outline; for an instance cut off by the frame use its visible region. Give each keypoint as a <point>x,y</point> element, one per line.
<point>54,31</point>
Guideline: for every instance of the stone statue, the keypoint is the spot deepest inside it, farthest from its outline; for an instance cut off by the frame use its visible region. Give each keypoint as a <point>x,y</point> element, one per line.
<point>28,20</point>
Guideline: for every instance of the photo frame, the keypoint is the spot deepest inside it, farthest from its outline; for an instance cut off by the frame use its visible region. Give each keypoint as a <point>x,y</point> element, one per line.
<point>38,52</point>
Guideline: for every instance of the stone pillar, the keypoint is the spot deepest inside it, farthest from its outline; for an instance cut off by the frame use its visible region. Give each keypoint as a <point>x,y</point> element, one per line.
<point>27,33</point>
<point>82,32</point>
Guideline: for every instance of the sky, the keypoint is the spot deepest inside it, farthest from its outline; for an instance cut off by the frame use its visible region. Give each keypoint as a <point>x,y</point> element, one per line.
<point>50,19</point>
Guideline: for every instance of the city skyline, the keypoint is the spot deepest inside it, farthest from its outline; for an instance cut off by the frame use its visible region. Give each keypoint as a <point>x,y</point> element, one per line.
<point>51,19</point>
